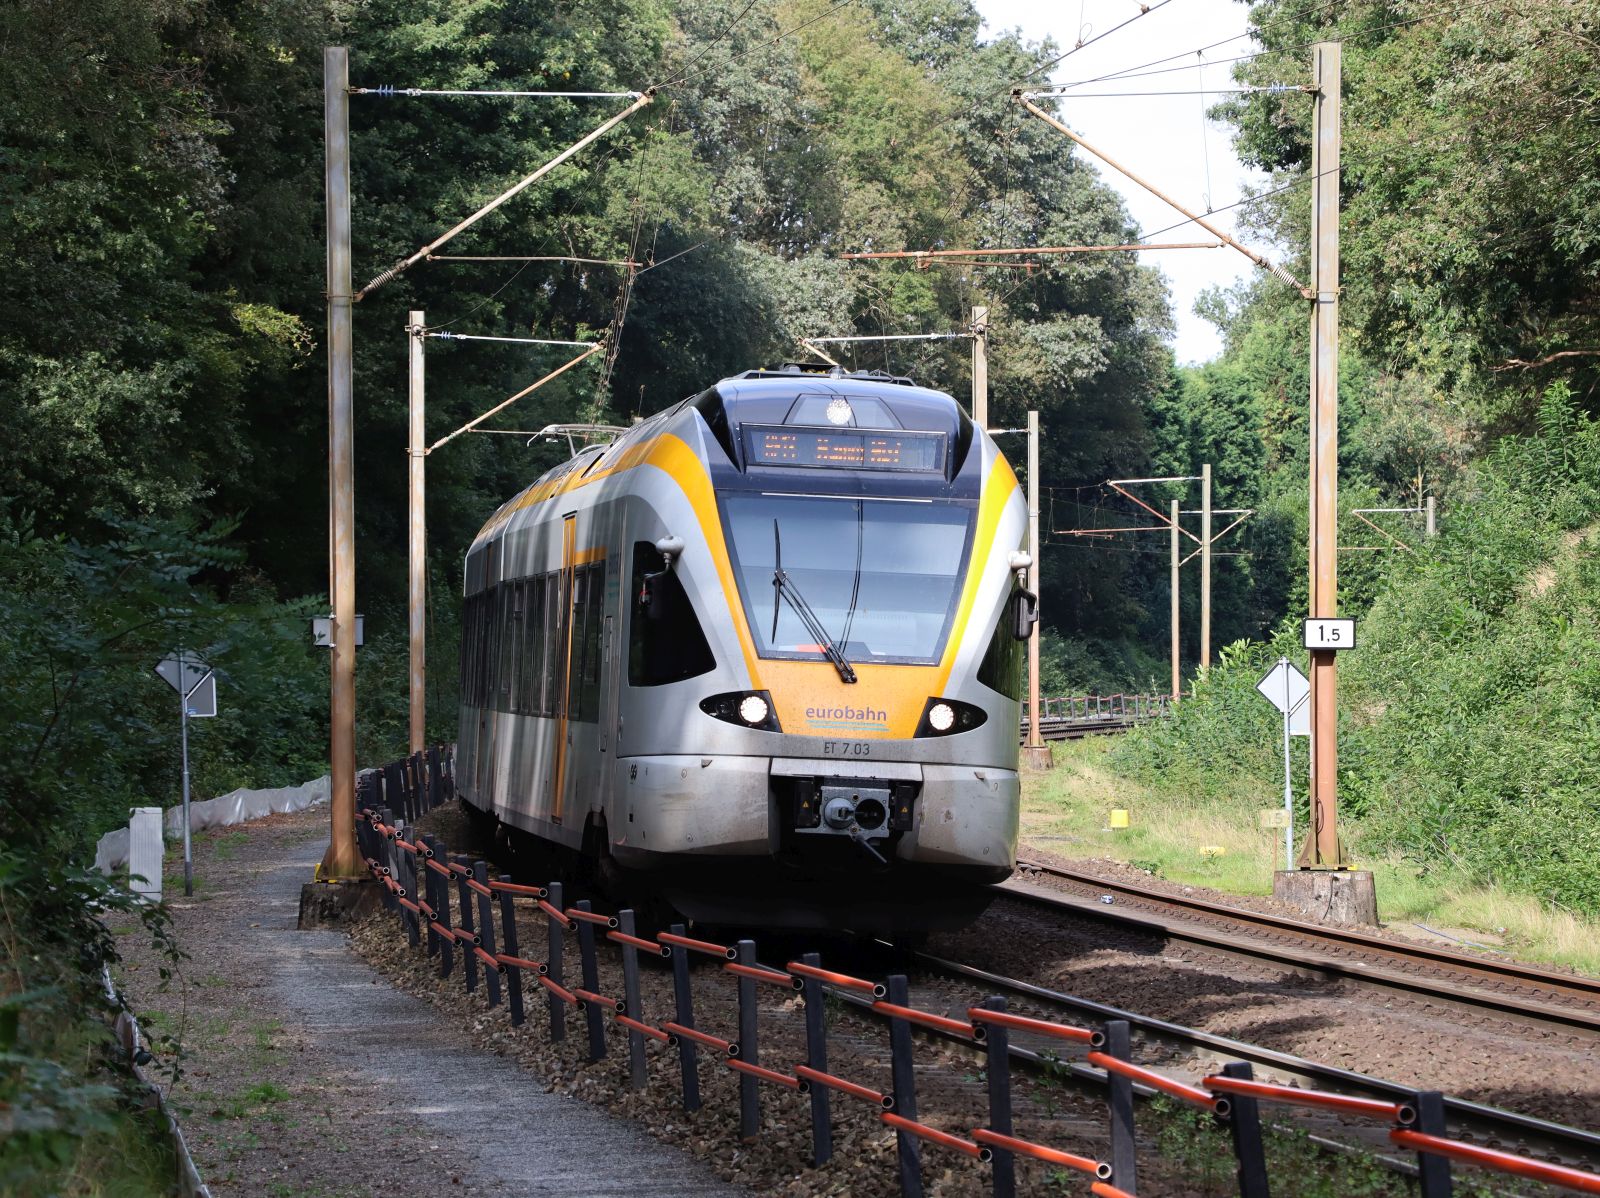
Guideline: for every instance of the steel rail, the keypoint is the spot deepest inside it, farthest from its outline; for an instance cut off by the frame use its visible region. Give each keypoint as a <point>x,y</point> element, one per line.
<point>1572,986</point>
<point>1078,729</point>
<point>1306,958</point>
<point>1478,1118</point>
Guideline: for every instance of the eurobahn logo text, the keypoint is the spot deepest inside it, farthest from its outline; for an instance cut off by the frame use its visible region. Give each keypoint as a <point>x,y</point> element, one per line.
<point>848,715</point>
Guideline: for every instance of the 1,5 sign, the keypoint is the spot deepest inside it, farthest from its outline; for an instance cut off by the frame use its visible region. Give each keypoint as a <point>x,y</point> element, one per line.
<point>1330,634</point>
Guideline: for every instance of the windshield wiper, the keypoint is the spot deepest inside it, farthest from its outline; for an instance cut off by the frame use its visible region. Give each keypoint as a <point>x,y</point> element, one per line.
<point>784,586</point>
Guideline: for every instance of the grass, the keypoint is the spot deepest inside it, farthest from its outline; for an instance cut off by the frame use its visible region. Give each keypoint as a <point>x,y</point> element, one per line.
<point>132,1158</point>
<point>1219,843</point>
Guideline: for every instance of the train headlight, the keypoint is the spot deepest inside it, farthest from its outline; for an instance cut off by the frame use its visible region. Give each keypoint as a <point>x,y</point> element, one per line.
<point>946,717</point>
<point>748,709</point>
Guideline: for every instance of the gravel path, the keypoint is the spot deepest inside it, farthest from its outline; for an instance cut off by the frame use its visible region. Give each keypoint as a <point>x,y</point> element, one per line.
<point>308,1075</point>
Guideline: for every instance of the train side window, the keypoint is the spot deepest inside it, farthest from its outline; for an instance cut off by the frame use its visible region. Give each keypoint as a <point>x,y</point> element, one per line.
<point>556,610</point>
<point>497,636</point>
<point>474,635</point>
<point>1001,668</point>
<point>671,646</point>
<point>531,656</point>
<point>485,637</point>
<point>580,591</point>
<point>593,595</point>
<point>463,667</point>
<point>480,650</point>
<point>552,644</point>
<point>469,669</point>
<point>486,650</point>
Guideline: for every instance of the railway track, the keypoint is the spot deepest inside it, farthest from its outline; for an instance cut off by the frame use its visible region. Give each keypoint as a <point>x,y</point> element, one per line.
<point>1075,717</point>
<point>1066,729</point>
<point>1509,988</point>
<point>1508,1129</point>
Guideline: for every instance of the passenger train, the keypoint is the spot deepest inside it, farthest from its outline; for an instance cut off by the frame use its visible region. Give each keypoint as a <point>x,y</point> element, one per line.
<point>763,652</point>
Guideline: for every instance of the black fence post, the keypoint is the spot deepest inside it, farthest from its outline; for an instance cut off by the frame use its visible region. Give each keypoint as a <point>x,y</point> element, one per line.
<point>435,783</point>
<point>363,832</point>
<point>391,852</point>
<point>394,791</point>
<point>508,938</point>
<point>638,1075</point>
<point>427,892</point>
<point>552,963</point>
<point>997,1046</point>
<point>817,1058</point>
<point>480,874</point>
<point>1244,1118</point>
<point>590,968</point>
<point>441,904</point>
<point>749,1049</point>
<point>469,959</point>
<point>383,858</point>
<point>1433,1170</point>
<point>408,879</point>
<point>902,1070</point>
<point>1124,1149</point>
<point>683,1004</point>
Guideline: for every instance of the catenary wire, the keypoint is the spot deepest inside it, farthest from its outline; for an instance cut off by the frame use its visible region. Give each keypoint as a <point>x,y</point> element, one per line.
<point>1144,11</point>
<point>726,29</point>
<point>1138,72</point>
<point>1248,33</point>
<point>770,42</point>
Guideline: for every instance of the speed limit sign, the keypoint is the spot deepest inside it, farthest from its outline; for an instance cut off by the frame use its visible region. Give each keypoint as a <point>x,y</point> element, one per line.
<point>1330,634</point>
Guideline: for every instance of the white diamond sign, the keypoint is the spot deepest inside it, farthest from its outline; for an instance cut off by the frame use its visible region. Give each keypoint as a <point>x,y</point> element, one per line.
<point>185,677</point>
<point>1284,686</point>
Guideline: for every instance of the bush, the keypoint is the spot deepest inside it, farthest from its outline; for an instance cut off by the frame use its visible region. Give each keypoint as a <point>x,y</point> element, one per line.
<point>1467,716</point>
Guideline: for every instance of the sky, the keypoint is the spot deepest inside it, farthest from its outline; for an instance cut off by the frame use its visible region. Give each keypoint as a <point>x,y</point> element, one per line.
<point>1157,137</point>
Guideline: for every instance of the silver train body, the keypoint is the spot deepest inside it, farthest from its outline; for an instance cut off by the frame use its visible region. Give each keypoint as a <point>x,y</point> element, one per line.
<point>641,682</point>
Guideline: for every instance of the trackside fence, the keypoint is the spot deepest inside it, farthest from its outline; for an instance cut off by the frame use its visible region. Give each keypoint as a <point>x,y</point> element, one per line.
<point>473,925</point>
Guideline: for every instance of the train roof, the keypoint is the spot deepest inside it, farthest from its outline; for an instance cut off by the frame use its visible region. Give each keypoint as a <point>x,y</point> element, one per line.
<point>797,394</point>
<point>800,394</point>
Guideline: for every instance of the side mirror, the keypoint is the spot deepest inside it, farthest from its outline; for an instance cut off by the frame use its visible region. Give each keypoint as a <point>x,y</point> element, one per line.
<point>653,596</point>
<point>1024,614</point>
<point>653,591</point>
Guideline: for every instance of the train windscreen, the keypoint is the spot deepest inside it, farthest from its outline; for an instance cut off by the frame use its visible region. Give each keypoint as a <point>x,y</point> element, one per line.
<point>880,576</point>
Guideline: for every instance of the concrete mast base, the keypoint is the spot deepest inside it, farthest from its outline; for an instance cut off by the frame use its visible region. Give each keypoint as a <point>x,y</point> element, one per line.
<point>1336,896</point>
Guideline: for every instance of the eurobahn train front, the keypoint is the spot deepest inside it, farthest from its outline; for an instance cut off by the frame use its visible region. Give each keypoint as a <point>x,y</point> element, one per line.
<point>850,758</point>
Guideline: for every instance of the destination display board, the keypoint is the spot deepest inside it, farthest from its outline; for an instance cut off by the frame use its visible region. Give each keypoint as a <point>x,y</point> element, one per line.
<point>850,449</point>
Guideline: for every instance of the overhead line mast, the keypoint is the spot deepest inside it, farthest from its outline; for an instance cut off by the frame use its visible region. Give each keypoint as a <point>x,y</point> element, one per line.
<point>342,861</point>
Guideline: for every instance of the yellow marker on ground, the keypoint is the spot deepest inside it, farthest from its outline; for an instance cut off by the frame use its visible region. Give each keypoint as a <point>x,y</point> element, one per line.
<point>1119,817</point>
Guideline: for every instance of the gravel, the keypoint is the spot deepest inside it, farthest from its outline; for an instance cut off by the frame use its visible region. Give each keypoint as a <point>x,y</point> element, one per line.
<point>1548,1072</point>
<point>305,1074</point>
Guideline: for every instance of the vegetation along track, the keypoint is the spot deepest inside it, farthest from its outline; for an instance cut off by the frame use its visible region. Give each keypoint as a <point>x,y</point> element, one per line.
<point>1506,987</point>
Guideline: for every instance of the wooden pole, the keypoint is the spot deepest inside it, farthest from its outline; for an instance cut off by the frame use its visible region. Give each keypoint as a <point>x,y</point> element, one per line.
<point>1432,527</point>
<point>1323,848</point>
<point>343,858</point>
<point>1177,677</point>
<point>417,586</point>
<point>1205,567</point>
